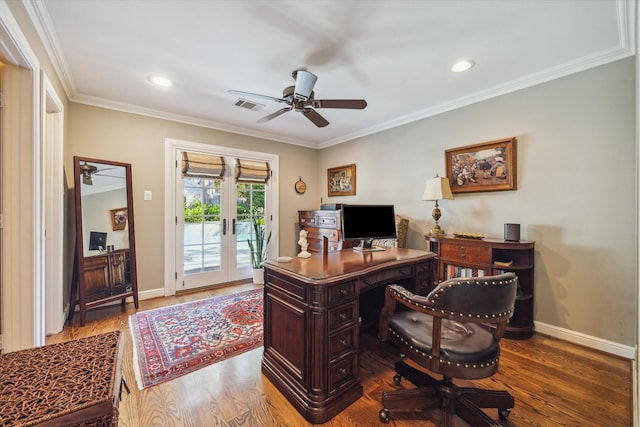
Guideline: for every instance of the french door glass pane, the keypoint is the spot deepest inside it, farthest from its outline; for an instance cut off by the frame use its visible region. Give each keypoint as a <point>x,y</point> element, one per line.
<point>202,225</point>
<point>250,202</point>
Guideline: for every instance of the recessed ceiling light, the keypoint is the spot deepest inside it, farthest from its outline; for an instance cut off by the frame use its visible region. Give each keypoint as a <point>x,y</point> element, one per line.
<point>461,66</point>
<point>160,81</point>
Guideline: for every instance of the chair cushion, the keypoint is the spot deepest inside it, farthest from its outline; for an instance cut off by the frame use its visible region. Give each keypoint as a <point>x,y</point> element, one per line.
<point>462,343</point>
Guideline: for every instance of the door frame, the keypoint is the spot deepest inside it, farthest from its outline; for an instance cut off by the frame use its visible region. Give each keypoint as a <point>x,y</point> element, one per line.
<point>171,149</point>
<point>22,236</point>
<point>54,201</point>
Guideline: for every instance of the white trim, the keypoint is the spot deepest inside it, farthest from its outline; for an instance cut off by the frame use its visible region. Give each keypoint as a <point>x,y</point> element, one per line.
<point>628,352</point>
<point>171,149</point>
<point>53,158</point>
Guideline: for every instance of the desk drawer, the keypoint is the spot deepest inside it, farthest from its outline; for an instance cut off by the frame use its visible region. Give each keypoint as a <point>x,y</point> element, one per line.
<point>343,292</point>
<point>342,372</point>
<point>385,277</point>
<point>465,252</point>
<point>342,342</point>
<point>342,316</point>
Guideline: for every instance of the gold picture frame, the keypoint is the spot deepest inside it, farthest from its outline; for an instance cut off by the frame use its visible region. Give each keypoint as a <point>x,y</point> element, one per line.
<point>489,166</point>
<point>341,180</point>
<point>119,218</point>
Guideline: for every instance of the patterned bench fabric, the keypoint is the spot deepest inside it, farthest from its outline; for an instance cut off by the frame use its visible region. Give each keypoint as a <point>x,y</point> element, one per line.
<point>75,383</point>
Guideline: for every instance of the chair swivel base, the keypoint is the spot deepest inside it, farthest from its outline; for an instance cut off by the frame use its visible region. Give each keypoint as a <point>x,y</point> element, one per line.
<point>430,393</point>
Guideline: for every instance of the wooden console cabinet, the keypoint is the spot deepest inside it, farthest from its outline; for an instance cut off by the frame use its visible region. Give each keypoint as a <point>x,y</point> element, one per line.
<point>459,257</point>
<point>312,309</point>
<point>320,224</point>
<point>105,275</point>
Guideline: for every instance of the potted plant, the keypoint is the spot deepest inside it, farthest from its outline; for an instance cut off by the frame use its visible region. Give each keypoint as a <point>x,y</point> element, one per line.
<point>258,248</point>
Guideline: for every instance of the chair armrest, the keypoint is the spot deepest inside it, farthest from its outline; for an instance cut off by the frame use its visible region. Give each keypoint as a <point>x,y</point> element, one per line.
<point>393,295</point>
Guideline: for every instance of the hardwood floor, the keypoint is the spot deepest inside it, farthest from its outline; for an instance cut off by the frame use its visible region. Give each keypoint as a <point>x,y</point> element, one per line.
<point>554,383</point>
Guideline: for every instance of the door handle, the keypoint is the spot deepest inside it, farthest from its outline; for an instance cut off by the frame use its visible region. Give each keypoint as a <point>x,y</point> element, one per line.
<point>233,226</point>
<point>224,227</point>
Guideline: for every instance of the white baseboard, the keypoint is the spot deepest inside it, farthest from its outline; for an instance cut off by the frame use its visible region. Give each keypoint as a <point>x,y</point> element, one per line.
<point>628,352</point>
<point>153,293</point>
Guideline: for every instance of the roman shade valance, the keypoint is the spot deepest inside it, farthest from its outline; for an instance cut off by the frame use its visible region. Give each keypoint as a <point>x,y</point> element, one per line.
<point>252,171</point>
<point>197,165</point>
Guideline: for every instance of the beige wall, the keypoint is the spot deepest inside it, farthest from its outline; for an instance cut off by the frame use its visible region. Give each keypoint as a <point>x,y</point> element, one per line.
<point>110,135</point>
<point>575,197</point>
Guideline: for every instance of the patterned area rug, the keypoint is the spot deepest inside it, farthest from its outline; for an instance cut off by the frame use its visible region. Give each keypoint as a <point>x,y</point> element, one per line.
<point>173,341</point>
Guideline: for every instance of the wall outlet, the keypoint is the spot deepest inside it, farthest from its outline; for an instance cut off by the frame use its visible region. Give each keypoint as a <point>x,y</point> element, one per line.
<point>148,195</point>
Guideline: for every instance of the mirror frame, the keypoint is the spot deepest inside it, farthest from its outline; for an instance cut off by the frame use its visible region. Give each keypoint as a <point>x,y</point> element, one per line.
<point>79,269</point>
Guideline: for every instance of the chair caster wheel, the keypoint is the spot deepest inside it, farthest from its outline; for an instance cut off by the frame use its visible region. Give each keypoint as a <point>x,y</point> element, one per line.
<point>504,413</point>
<point>384,415</point>
<point>396,379</point>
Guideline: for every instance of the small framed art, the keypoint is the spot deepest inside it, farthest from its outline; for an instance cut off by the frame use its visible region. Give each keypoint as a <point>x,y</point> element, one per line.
<point>341,180</point>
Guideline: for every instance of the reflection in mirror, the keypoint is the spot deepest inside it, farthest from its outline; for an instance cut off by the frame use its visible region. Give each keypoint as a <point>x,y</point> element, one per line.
<point>105,263</point>
<point>104,208</point>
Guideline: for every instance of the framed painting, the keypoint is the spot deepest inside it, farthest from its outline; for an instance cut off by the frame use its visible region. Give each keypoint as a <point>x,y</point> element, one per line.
<point>119,219</point>
<point>490,166</point>
<point>341,181</point>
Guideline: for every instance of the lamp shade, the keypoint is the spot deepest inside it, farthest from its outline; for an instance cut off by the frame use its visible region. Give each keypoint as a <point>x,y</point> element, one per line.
<point>437,189</point>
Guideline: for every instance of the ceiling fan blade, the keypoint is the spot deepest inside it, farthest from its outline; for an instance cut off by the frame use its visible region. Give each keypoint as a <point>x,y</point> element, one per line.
<point>274,115</point>
<point>304,84</point>
<point>354,104</point>
<point>256,95</point>
<point>315,117</point>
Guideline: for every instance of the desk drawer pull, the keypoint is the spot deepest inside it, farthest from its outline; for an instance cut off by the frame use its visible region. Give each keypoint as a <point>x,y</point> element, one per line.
<point>342,316</point>
<point>343,291</point>
<point>344,342</point>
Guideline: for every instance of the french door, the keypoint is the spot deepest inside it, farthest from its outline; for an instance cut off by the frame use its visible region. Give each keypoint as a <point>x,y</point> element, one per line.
<point>213,224</point>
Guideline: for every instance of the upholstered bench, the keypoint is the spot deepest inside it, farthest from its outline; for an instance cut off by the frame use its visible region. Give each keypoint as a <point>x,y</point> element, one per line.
<point>75,383</point>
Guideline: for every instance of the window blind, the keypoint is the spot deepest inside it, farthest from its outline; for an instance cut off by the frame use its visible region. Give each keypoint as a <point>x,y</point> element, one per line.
<point>252,171</point>
<point>197,165</point>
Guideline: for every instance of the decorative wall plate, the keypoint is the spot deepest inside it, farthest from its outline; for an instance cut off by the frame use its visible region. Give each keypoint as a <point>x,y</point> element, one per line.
<point>300,186</point>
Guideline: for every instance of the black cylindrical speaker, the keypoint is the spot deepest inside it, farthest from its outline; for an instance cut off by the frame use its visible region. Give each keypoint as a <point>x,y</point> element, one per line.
<point>512,232</point>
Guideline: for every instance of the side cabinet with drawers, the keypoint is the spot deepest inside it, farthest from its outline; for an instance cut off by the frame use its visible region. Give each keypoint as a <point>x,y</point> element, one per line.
<point>320,224</point>
<point>457,257</point>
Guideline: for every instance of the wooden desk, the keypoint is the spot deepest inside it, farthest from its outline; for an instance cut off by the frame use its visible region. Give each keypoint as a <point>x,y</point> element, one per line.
<point>311,312</point>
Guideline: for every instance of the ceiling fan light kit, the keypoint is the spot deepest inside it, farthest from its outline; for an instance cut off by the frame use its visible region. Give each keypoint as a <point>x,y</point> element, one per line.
<point>300,98</point>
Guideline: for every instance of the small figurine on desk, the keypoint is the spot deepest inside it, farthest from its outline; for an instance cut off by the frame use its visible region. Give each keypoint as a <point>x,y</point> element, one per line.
<point>303,245</point>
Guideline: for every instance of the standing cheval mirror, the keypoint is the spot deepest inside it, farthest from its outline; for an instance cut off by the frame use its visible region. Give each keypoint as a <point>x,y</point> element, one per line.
<point>105,259</point>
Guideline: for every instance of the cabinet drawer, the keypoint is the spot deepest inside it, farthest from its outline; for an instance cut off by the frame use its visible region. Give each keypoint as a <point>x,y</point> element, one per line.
<point>343,292</point>
<point>319,233</point>
<point>342,372</point>
<point>342,342</point>
<point>465,252</point>
<point>342,316</point>
<point>320,219</point>
<point>328,221</point>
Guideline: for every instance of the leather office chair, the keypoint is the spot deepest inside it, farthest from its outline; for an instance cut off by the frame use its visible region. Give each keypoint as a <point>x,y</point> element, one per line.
<point>447,332</point>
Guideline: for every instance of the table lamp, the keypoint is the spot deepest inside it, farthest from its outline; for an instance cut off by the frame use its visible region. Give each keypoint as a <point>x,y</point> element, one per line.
<point>437,189</point>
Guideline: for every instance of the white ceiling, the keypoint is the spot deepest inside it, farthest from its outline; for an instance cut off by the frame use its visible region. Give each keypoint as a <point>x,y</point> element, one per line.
<point>395,54</point>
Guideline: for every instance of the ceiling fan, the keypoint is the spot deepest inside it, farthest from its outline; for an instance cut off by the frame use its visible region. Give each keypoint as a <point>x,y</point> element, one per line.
<point>87,171</point>
<point>301,98</point>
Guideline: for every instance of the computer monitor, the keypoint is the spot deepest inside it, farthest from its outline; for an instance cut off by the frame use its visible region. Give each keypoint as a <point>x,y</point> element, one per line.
<point>367,223</point>
<point>97,241</point>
